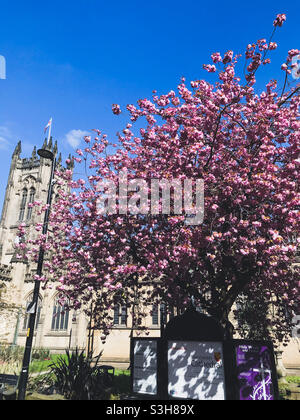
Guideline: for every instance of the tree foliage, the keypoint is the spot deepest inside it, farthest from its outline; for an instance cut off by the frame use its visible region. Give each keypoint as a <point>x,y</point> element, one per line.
<point>244,145</point>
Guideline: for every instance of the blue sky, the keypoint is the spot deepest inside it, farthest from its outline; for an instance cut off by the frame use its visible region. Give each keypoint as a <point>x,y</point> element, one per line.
<point>72,60</point>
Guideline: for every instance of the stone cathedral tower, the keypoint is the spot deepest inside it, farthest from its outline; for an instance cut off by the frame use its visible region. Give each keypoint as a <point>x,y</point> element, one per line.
<point>55,329</point>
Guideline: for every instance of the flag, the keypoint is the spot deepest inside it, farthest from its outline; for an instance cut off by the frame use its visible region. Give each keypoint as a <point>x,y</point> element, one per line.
<point>48,125</point>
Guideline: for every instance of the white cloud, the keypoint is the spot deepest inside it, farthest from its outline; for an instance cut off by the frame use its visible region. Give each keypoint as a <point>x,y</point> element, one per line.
<point>5,135</point>
<point>74,137</point>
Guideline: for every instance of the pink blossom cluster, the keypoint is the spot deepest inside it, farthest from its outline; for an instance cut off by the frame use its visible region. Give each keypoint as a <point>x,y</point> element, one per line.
<point>245,146</point>
<point>116,109</point>
<point>280,19</point>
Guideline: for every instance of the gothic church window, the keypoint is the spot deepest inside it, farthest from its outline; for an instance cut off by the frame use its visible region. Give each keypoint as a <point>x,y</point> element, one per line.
<point>23,205</point>
<point>31,200</point>
<point>155,315</point>
<point>159,314</point>
<point>60,317</point>
<point>120,315</point>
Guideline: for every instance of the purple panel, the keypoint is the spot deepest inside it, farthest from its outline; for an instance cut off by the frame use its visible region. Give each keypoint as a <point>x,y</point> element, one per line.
<point>254,372</point>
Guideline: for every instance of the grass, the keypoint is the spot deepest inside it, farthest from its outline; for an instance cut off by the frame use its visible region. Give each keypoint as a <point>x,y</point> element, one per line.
<point>41,397</point>
<point>37,366</point>
<point>285,389</point>
<point>122,372</point>
<point>12,366</point>
<point>293,379</point>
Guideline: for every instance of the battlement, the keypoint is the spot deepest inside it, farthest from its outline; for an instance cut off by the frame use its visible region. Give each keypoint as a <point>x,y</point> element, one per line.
<point>29,163</point>
<point>5,272</point>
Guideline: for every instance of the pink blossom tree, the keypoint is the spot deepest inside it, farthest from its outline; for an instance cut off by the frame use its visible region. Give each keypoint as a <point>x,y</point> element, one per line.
<point>244,145</point>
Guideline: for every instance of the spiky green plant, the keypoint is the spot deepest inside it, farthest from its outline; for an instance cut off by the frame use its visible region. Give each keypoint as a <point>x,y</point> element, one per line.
<point>78,378</point>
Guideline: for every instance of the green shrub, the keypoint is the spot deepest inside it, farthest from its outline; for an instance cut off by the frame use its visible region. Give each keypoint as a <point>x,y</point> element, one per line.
<point>41,383</point>
<point>293,379</point>
<point>11,359</point>
<point>10,353</point>
<point>40,354</point>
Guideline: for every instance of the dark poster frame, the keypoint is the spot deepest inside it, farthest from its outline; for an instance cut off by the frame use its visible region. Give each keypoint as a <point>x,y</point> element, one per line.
<point>231,382</point>
<point>132,343</point>
<point>232,349</point>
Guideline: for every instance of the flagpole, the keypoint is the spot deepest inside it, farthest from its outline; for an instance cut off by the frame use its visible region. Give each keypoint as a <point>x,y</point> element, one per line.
<point>49,132</point>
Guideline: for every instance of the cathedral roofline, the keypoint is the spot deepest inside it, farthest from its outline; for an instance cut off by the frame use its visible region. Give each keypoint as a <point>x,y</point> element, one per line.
<point>35,160</point>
